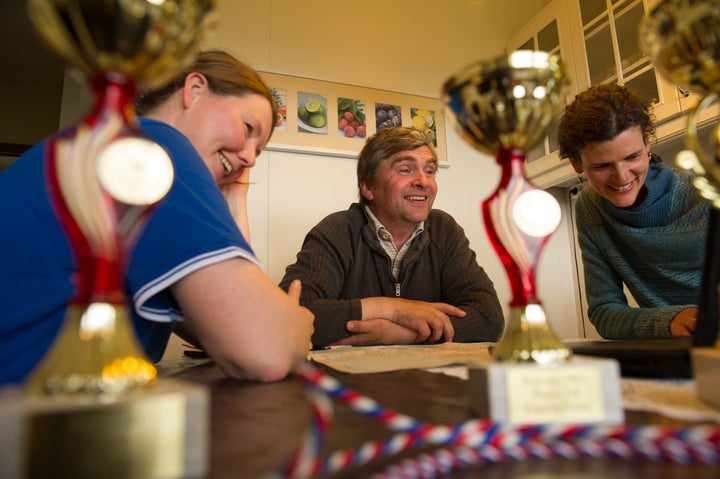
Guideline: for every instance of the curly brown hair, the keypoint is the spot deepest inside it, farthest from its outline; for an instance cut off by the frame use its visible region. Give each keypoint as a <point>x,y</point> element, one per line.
<point>601,113</point>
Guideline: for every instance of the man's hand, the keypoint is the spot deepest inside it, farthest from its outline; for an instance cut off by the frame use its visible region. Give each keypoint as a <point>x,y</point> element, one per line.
<point>370,332</point>
<point>429,321</point>
<point>684,323</point>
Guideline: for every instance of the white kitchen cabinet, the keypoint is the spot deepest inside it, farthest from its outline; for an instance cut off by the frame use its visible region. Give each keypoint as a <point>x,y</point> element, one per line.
<point>548,31</point>
<point>607,34</point>
<point>599,42</point>
<point>601,27</point>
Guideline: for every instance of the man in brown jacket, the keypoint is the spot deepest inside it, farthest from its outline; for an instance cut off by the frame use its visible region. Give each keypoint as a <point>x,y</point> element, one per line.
<point>391,270</point>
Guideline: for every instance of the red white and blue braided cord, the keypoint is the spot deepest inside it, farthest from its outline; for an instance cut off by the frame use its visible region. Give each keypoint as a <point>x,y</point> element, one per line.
<point>475,442</point>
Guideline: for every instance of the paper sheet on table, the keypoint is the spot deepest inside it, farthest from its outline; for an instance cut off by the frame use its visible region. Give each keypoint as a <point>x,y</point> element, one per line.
<point>671,398</point>
<point>376,359</point>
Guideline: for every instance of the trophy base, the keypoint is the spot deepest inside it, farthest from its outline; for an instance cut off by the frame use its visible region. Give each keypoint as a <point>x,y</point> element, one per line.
<point>706,371</point>
<point>159,431</point>
<point>577,391</point>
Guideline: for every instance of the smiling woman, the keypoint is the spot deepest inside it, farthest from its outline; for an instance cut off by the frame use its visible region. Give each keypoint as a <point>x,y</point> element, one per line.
<point>640,224</point>
<point>191,263</point>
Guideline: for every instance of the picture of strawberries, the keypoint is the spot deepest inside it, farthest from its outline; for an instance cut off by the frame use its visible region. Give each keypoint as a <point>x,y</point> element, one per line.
<point>351,118</point>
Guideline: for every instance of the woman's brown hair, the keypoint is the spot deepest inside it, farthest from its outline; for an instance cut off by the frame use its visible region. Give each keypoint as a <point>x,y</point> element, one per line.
<point>226,75</point>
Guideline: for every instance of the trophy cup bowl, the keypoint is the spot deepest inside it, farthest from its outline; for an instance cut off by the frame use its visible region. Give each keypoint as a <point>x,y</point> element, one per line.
<point>507,102</point>
<point>503,107</point>
<point>148,41</point>
<point>683,39</point>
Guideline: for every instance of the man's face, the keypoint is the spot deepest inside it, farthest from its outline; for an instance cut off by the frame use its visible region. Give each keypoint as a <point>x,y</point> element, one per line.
<point>404,189</point>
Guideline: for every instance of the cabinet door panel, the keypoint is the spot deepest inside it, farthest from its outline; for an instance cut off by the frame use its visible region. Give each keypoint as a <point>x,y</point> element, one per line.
<point>600,55</point>
<point>548,31</point>
<point>627,24</point>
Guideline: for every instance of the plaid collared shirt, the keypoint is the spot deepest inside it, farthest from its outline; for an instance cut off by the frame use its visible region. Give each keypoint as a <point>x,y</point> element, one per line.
<point>386,241</point>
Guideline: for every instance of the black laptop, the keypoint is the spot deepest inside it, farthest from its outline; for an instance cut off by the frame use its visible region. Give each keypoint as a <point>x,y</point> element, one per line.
<point>663,358</point>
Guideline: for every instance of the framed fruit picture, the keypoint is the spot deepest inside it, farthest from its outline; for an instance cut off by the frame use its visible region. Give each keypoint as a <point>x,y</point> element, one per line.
<point>332,119</point>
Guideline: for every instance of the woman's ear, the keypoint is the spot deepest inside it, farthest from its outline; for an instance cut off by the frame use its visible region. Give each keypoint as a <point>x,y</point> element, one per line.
<point>577,166</point>
<point>195,86</point>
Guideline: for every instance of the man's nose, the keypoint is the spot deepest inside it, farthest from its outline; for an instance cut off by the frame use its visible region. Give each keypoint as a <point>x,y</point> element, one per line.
<point>422,178</point>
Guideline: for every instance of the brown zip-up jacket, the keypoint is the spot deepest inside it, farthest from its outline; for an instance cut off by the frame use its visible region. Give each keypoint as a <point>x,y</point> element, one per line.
<point>342,261</point>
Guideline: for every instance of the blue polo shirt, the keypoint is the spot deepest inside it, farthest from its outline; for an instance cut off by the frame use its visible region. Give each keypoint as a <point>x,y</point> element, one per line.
<point>191,228</point>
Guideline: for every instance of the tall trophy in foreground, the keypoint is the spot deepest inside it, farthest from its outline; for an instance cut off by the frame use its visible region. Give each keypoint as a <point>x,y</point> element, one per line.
<point>503,107</point>
<point>93,406</point>
<point>683,39</point>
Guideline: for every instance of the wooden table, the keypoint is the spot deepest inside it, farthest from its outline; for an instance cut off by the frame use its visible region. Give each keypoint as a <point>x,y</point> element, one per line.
<point>256,427</point>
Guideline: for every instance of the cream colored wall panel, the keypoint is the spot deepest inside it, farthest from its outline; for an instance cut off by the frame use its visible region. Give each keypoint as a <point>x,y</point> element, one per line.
<point>439,38</point>
<point>258,208</point>
<point>409,46</point>
<point>556,282</point>
<point>357,43</point>
<point>243,28</point>
<point>303,190</point>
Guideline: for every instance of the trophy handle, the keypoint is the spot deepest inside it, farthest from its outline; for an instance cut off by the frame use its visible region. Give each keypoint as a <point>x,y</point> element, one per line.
<point>709,187</point>
<point>708,306</point>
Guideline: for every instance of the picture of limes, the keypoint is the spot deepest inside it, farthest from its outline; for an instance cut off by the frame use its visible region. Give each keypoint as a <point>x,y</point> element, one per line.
<point>317,120</point>
<point>312,113</point>
<point>313,106</point>
<point>303,114</point>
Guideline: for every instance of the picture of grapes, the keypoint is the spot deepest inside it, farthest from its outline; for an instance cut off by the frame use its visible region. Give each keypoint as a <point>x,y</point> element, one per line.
<point>424,120</point>
<point>280,97</point>
<point>312,113</point>
<point>351,118</point>
<point>387,115</point>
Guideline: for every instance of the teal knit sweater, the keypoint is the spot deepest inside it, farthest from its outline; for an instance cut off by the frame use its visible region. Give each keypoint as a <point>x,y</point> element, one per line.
<point>656,248</point>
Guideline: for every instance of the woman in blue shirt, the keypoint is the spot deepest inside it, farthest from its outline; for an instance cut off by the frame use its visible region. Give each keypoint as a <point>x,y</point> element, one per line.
<point>191,262</point>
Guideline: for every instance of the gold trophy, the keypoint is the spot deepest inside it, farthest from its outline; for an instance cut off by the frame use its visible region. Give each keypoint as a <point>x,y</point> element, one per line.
<point>683,39</point>
<point>503,107</point>
<point>89,410</point>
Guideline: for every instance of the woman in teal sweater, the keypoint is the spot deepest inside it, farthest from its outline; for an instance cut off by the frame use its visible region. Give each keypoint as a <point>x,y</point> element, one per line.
<point>640,223</point>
